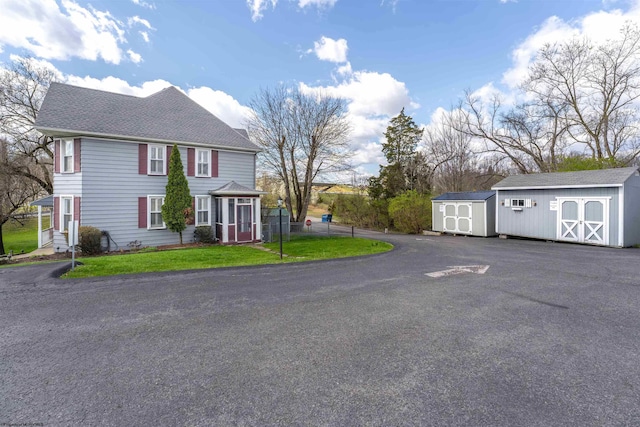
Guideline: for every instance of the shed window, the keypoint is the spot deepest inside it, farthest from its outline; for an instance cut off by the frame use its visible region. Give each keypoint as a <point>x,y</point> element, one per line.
<point>518,203</point>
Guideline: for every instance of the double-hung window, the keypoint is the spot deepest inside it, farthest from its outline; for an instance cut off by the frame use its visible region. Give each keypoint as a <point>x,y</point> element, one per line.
<point>203,205</point>
<point>203,163</point>
<point>155,212</point>
<point>67,155</point>
<point>66,212</point>
<point>157,159</point>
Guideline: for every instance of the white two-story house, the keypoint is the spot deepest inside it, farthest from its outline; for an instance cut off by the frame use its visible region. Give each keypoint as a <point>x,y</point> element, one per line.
<point>111,156</point>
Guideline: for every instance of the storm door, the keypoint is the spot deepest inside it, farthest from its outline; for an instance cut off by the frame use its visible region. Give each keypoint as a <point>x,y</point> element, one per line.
<point>245,221</point>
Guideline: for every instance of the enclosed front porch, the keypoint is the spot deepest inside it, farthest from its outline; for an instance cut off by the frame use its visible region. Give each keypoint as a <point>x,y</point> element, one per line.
<point>237,214</point>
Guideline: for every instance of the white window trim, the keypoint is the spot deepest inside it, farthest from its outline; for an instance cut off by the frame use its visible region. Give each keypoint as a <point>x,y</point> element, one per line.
<point>208,154</point>
<point>163,150</point>
<point>63,152</point>
<point>208,199</point>
<point>61,226</point>
<point>149,227</point>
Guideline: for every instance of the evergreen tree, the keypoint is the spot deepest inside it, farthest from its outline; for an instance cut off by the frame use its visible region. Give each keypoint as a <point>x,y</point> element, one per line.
<point>400,174</point>
<point>178,198</point>
<point>402,137</point>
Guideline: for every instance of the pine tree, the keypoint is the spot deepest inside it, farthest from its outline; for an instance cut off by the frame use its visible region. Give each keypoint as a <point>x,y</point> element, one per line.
<point>177,200</point>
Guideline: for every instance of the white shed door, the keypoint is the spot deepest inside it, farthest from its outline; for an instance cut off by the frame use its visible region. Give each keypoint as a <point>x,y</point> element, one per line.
<point>584,220</point>
<point>457,217</point>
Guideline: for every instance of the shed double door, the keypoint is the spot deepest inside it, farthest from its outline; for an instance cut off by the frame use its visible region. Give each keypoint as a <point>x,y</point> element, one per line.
<point>584,220</point>
<point>457,218</point>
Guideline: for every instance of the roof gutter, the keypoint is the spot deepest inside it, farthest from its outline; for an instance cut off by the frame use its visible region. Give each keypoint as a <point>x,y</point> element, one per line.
<point>52,132</point>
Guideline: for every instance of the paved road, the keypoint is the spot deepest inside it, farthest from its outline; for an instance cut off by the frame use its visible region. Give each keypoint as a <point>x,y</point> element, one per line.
<point>549,335</point>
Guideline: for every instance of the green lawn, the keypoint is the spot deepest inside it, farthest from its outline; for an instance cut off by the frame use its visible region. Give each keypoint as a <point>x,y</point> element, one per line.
<point>302,249</point>
<point>20,238</point>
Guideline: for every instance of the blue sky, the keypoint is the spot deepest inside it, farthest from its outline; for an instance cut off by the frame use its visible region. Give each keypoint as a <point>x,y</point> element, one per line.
<point>380,55</point>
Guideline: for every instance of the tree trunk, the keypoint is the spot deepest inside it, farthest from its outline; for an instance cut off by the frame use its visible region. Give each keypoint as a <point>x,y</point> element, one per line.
<point>1,241</point>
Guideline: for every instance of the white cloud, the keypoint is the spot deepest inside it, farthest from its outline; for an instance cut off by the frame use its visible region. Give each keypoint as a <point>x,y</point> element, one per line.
<point>145,36</point>
<point>137,20</point>
<point>328,49</point>
<point>222,105</point>
<point>144,4</point>
<point>373,99</point>
<point>51,31</point>
<point>598,26</point>
<point>257,7</point>
<point>345,70</point>
<point>219,103</point>
<point>321,4</point>
<point>136,58</point>
<point>370,93</point>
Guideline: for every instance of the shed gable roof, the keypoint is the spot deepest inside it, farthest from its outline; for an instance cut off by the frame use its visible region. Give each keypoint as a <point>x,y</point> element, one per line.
<point>467,195</point>
<point>168,115</point>
<point>579,179</point>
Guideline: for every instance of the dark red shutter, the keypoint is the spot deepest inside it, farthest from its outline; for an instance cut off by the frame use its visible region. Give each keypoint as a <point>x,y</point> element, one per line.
<point>56,156</point>
<point>143,152</point>
<point>56,213</point>
<point>191,161</point>
<point>142,212</point>
<point>76,155</point>
<point>166,163</point>
<point>214,163</point>
<point>76,209</point>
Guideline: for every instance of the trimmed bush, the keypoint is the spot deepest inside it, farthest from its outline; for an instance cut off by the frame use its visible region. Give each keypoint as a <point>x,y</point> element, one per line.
<point>203,234</point>
<point>89,240</point>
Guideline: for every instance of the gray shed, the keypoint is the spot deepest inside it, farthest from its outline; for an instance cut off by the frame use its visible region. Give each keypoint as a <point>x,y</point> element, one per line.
<point>471,213</point>
<point>600,207</point>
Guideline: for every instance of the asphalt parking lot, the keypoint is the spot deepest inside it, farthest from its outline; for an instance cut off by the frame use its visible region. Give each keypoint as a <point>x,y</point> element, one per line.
<point>548,335</point>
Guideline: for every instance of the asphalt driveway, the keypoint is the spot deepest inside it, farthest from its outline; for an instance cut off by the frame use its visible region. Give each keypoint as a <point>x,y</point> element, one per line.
<point>549,335</point>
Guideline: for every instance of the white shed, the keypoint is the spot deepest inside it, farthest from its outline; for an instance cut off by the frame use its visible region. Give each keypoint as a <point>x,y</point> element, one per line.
<point>471,213</point>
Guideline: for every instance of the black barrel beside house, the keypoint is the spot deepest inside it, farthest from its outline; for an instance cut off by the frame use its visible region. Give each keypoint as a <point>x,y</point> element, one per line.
<point>471,213</point>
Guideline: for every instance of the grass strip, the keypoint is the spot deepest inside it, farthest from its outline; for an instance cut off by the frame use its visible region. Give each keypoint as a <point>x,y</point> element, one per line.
<point>300,249</point>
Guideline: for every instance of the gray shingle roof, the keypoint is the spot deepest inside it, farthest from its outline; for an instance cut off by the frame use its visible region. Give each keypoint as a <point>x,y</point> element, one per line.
<point>168,115</point>
<point>579,179</point>
<point>467,195</point>
<point>232,188</point>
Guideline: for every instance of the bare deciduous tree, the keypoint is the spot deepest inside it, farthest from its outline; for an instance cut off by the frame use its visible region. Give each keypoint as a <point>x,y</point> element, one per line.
<point>15,190</point>
<point>598,86</point>
<point>22,88</point>
<point>531,136</point>
<point>303,135</point>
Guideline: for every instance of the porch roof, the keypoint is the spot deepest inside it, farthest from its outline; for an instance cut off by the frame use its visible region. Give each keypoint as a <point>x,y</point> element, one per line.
<point>232,188</point>
<point>45,201</point>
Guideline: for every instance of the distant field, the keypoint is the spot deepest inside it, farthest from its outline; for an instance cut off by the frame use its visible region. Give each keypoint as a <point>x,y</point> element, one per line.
<point>21,238</point>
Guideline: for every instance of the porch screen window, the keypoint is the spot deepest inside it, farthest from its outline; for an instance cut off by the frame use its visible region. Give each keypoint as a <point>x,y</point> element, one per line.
<point>155,212</point>
<point>156,159</point>
<point>204,159</point>
<point>67,155</point>
<point>66,212</point>
<point>232,211</point>
<point>202,210</point>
